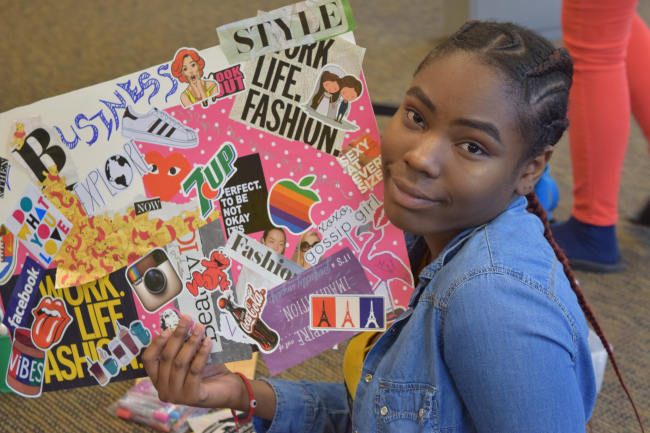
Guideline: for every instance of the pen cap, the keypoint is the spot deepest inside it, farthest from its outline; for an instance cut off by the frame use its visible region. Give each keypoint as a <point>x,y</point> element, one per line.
<point>123,413</point>
<point>161,416</point>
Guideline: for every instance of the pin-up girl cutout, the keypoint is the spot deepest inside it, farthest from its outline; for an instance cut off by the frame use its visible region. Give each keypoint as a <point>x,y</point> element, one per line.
<point>188,68</point>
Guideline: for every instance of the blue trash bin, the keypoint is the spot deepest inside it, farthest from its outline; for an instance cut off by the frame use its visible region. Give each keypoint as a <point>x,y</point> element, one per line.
<point>547,191</point>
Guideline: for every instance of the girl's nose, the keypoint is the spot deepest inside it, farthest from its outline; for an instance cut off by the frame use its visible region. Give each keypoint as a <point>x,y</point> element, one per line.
<point>427,157</point>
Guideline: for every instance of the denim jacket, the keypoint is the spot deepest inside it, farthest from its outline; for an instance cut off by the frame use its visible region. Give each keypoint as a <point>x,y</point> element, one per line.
<point>493,341</point>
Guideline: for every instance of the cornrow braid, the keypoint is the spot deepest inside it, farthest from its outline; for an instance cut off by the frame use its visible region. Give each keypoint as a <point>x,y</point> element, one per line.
<point>559,60</point>
<point>535,207</point>
<point>540,77</point>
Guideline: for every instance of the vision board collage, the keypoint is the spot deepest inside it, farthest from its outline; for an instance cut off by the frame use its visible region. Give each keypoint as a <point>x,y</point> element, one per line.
<point>239,184</point>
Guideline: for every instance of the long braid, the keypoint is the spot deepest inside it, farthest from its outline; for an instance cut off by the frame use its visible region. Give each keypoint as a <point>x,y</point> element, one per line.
<point>535,207</point>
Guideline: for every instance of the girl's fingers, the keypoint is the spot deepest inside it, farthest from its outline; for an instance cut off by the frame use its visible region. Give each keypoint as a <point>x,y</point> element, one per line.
<point>171,349</point>
<point>195,372</point>
<point>150,357</point>
<point>184,358</point>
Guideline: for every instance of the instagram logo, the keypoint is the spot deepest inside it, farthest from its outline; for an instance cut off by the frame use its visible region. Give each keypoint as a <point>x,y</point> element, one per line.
<point>154,280</point>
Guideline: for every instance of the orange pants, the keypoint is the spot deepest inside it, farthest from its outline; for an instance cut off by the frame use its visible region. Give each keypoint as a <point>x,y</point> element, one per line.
<point>610,46</point>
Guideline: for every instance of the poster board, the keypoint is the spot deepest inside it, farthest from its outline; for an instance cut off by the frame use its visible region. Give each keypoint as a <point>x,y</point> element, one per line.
<point>254,152</point>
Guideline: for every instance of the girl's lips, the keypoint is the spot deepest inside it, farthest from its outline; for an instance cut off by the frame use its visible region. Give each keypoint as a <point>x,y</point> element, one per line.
<point>408,199</point>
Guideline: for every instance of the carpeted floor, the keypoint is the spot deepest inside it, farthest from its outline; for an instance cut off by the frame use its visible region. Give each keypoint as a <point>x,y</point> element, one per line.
<point>50,48</point>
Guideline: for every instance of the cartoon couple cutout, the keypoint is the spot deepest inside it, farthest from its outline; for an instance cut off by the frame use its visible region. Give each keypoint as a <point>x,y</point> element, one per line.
<point>333,96</point>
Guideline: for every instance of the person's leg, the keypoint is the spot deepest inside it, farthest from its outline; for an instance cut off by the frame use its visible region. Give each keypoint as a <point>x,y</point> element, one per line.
<point>596,32</point>
<point>638,71</point>
<point>638,65</point>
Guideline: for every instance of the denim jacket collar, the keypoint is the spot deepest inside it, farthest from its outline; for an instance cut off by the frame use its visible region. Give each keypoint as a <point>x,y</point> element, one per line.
<point>419,248</point>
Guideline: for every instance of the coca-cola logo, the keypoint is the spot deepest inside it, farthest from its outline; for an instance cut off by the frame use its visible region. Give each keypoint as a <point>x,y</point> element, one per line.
<point>253,304</point>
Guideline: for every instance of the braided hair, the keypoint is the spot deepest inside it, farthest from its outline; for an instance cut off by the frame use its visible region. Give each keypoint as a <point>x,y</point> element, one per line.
<point>539,77</point>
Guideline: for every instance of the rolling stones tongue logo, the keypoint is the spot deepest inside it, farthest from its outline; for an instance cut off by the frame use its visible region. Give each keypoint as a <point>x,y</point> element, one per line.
<point>51,319</point>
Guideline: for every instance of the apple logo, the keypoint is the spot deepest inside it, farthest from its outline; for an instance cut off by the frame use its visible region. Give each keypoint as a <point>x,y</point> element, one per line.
<point>290,204</point>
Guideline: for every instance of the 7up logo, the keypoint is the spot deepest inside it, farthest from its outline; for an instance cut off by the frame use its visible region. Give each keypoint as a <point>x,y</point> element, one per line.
<point>217,172</point>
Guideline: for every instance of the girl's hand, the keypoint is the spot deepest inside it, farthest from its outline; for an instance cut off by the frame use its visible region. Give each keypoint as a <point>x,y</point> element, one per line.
<point>201,86</point>
<point>195,89</point>
<point>181,380</point>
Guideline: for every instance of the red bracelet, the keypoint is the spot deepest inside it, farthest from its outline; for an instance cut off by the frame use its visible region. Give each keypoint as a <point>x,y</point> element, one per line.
<point>253,404</point>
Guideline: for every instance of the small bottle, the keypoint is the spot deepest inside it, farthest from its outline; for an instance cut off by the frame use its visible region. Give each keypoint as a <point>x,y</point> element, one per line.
<point>267,338</point>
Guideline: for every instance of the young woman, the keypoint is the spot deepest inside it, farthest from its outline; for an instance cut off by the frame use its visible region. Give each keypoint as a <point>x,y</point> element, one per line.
<point>495,337</point>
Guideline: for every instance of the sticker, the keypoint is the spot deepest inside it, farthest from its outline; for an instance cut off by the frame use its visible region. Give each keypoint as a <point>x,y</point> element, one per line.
<point>164,179</point>
<point>217,172</point>
<point>340,225</point>
<point>154,280</point>
<point>347,312</point>
<point>157,127</point>
<point>51,320</point>
<point>8,254</point>
<point>249,318</point>
<point>26,365</point>
<point>261,259</point>
<point>188,67</point>
<point>214,274</point>
<point>332,96</point>
<point>38,224</point>
<point>231,82</point>
<point>147,206</point>
<point>18,137</point>
<point>124,348</point>
<point>109,362</point>
<point>361,159</point>
<point>4,174</point>
<point>290,204</point>
<point>243,202</point>
<point>23,296</point>
<point>288,309</point>
<point>286,27</point>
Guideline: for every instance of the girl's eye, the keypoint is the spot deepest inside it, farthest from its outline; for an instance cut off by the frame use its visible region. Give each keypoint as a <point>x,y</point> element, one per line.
<point>472,148</point>
<point>415,118</point>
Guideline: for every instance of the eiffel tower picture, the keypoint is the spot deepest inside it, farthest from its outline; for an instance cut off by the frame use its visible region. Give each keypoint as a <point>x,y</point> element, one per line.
<point>323,318</point>
<point>348,318</point>
<point>371,319</point>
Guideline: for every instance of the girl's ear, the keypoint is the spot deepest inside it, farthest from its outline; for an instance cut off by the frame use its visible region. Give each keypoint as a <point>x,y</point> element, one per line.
<point>532,171</point>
